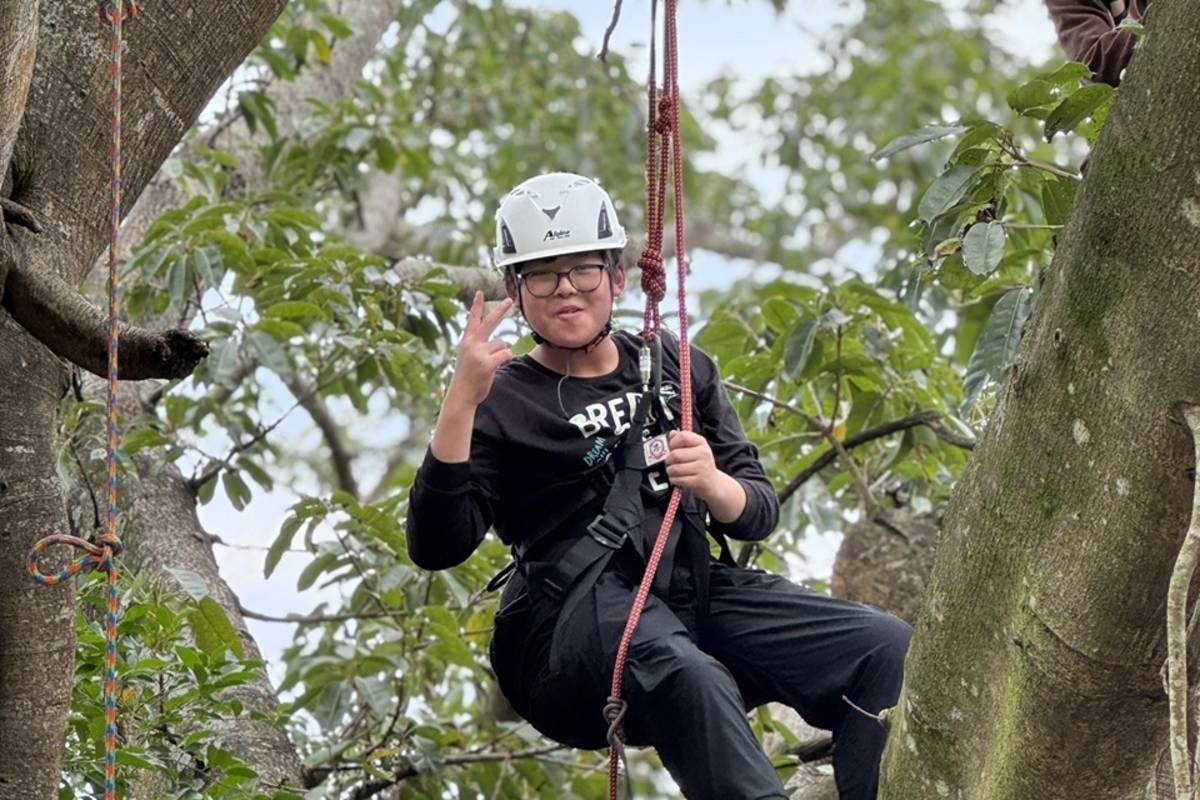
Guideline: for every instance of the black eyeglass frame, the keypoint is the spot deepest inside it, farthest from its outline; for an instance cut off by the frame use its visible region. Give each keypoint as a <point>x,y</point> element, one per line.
<point>522,278</point>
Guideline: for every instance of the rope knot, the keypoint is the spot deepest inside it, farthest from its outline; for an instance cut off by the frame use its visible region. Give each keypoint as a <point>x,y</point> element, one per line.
<point>654,277</point>
<point>668,114</point>
<point>112,542</point>
<point>614,712</point>
<point>96,555</point>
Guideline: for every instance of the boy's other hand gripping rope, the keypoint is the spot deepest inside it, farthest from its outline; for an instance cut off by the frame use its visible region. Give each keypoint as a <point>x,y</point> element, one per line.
<point>663,125</point>
<point>103,553</point>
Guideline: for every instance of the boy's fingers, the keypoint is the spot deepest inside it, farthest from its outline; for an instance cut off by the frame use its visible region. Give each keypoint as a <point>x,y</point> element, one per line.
<point>492,321</point>
<point>475,312</point>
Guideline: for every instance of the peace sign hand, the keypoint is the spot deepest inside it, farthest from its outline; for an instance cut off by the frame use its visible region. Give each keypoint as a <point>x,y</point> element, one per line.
<point>479,355</point>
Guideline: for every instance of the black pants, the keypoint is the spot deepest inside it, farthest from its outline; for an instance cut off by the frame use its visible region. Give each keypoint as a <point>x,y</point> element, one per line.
<point>689,682</point>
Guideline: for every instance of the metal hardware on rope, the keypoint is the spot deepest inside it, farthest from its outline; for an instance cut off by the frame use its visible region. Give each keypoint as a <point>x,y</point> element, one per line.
<point>102,554</point>
<point>663,124</point>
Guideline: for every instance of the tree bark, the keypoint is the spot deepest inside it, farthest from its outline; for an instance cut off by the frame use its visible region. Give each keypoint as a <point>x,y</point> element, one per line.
<point>178,54</point>
<point>18,48</point>
<point>1035,666</point>
<point>37,625</point>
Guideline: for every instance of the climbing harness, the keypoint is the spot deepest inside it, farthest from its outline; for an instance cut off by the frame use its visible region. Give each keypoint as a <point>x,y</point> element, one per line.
<point>662,128</point>
<point>102,554</point>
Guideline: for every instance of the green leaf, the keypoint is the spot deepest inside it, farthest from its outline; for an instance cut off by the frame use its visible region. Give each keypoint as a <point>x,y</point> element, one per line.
<point>929,134</point>
<point>314,570</point>
<point>799,347</point>
<point>192,582</point>
<point>177,281</point>
<point>321,45</point>
<point>1034,94</point>
<point>1071,72</point>
<point>236,489</point>
<point>779,314</point>
<point>1132,26</point>
<point>294,309</point>
<point>337,26</point>
<point>127,758</point>
<point>280,329</point>
<point>204,268</point>
<point>1078,107</point>
<point>223,361</point>
<point>1058,198</point>
<point>213,631</point>
<point>270,353</point>
<point>143,438</point>
<point>946,192</point>
<point>983,247</point>
<point>377,694</point>
<point>997,345</point>
<point>282,543</point>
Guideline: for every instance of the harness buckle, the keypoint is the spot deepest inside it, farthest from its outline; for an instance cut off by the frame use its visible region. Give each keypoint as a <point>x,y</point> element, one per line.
<point>605,533</point>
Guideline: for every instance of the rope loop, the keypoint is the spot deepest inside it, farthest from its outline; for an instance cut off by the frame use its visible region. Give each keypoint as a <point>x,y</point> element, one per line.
<point>96,555</point>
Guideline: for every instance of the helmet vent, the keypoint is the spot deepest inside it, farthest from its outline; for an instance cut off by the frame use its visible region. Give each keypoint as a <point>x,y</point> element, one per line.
<point>551,212</point>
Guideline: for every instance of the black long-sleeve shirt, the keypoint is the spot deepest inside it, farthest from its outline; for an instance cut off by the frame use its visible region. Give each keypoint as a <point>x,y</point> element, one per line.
<point>539,470</point>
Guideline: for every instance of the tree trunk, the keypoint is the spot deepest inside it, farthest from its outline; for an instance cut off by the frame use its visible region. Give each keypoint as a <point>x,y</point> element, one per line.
<point>1034,671</point>
<point>37,625</point>
<point>169,534</point>
<point>178,55</point>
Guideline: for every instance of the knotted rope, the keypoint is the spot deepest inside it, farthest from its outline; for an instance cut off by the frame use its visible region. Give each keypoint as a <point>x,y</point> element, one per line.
<point>663,148</point>
<point>102,554</point>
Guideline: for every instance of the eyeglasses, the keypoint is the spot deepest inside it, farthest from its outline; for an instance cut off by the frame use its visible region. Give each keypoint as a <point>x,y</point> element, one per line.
<point>544,282</point>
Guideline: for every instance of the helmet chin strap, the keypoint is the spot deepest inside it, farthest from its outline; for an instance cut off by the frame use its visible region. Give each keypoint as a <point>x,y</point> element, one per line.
<point>587,348</point>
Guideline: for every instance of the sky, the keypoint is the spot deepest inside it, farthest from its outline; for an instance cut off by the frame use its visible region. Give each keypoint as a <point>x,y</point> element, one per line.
<point>746,38</point>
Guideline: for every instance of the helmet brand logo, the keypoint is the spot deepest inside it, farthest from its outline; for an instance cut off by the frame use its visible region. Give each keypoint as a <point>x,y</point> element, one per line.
<point>555,235</point>
<point>603,228</point>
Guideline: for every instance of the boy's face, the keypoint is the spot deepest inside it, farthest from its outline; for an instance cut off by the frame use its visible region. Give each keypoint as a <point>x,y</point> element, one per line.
<point>573,312</point>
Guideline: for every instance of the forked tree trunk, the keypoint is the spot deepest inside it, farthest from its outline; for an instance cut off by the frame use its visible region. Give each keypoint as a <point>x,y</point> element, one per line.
<point>1034,671</point>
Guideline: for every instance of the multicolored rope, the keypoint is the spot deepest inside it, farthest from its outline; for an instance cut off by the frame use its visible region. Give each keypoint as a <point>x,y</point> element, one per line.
<point>102,554</point>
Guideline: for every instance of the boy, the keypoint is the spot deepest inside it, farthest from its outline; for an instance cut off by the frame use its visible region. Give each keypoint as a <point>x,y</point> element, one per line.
<point>532,445</point>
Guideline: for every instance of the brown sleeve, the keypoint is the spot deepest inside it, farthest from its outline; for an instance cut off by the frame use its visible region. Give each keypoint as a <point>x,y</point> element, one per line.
<point>1088,32</point>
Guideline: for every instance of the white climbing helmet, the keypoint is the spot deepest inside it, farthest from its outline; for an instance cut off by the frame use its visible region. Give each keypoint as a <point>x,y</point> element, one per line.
<point>552,215</point>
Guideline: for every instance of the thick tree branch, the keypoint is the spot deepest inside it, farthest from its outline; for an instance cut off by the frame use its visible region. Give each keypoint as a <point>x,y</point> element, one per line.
<point>327,83</point>
<point>59,317</point>
<point>310,400</point>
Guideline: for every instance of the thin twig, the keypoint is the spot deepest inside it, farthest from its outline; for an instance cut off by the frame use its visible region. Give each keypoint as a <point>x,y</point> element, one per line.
<point>369,790</point>
<point>850,442</point>
<point>612,26</point>
<point>1177,595</point>
<point>1015,226</point>
<point>316,619</point>
<point>215,469</point>
<point>881,717</point>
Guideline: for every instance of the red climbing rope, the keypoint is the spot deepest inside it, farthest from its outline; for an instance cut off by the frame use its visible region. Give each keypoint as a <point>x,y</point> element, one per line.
<point>663,130</point>
<point>103,553</point>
